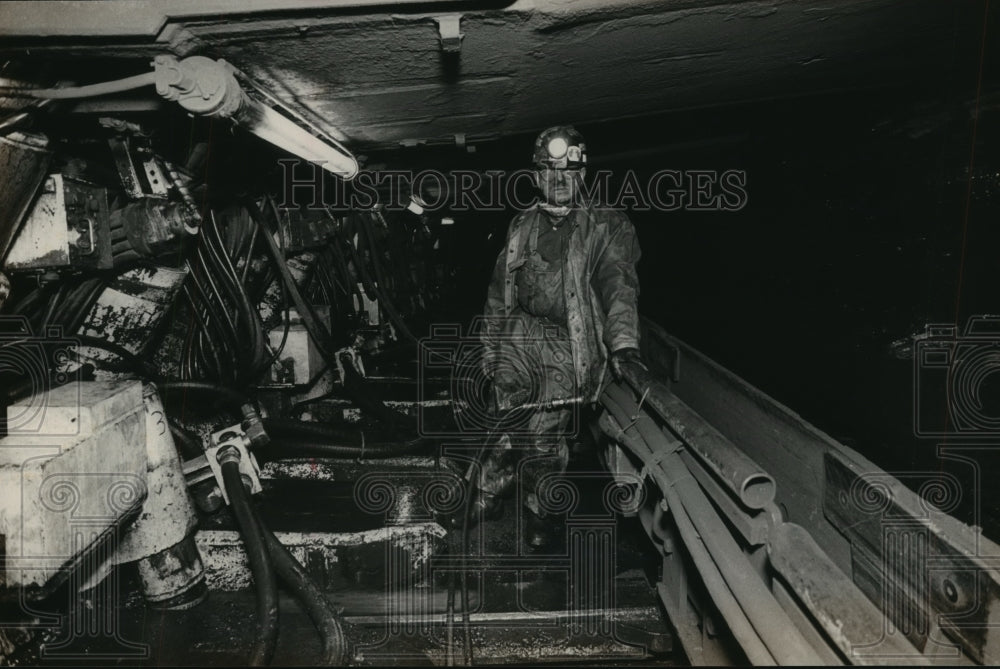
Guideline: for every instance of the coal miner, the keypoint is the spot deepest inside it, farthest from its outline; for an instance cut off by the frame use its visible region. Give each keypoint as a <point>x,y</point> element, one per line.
<point>561,309</point>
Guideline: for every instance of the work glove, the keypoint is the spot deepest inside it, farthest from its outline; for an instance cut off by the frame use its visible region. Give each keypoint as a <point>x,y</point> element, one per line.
<point>625,356</point>
<point>509,390</point>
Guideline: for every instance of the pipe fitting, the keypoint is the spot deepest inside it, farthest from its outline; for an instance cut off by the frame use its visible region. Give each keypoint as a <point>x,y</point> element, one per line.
<point>199,84</point>
<point>228,454</point>
<point>253,426</point>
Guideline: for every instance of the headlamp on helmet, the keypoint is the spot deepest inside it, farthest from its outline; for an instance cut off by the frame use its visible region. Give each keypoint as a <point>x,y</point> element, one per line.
<point>560,147</point>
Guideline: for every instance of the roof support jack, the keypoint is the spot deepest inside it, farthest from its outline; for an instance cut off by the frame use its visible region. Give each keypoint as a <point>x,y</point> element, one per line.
<point>449,31</point>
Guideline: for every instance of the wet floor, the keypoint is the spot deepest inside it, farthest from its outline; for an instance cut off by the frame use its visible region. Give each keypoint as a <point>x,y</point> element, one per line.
<point>524,607</point>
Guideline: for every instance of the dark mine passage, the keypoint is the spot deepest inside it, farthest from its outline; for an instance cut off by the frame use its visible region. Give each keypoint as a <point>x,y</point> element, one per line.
<point>462,333</point>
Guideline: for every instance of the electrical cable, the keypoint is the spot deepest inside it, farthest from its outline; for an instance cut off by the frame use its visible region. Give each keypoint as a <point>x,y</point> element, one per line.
<point>261,567</point>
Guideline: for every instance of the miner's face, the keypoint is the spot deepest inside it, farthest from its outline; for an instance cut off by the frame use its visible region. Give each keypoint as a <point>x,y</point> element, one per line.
<point>560,187</point>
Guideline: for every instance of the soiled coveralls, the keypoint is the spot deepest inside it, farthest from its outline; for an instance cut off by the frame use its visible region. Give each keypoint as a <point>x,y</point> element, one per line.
<point>561,299</point>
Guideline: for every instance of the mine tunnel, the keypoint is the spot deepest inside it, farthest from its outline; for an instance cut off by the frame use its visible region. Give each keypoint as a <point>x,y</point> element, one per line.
<point>534,332</point>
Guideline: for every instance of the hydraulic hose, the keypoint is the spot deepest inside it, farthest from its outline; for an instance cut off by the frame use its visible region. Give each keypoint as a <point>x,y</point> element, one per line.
<point>354,255</point>
<point>231,396</point>
<point>261,567</point>
<point>234,287</point>
<point>74,92</point>
<point>473,476</point>
<point>310,596</point>
<point>296,448</point>
<point>291,437</point>
<point>353,383</point>
<point>218,306</point>
<point>187,442</point>
<point>129,359</point>
<point>340,264</point>
<point>367,237</point>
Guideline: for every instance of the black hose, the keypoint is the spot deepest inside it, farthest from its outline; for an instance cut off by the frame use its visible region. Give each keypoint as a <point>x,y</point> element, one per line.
<point>367,237</point>
<point>233,397</point>
<point>467,512</point>
<point>340,264</point>
<point>226,372</point>
<point>361,394</point>
<point>231,333</point>
<point>27,302</point>
<point>286,317</point>
<point>304,428</point>
<point>474,476</point>
<point>355,257</point>
<point>212,364</point>
<point>187,442</point>
<point>261,566</point>
<point>228,276</point>
<point>132,361</point>
<point>450,622</point>
<point>353,383</point>
<point>290,437</point>
<point>295,448</point>
<point>310,596</point>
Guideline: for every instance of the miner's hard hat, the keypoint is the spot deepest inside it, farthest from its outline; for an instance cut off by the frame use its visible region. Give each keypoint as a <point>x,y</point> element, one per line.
<point>560,147</point>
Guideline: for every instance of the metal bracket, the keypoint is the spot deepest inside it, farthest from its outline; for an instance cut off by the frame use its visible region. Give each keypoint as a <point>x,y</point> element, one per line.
<point>233,437</point>
<point>125,167</point>
<point>356,362</point>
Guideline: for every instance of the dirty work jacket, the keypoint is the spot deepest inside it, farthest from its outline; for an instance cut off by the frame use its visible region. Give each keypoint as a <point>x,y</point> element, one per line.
<point>600,286</point>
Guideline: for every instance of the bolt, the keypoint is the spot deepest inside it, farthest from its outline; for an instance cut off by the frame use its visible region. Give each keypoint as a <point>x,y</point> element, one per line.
<point>950,591</point>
